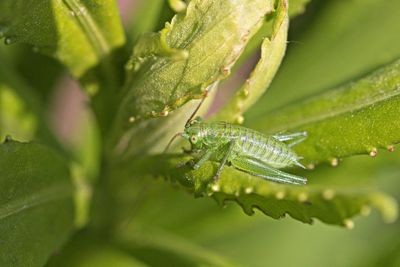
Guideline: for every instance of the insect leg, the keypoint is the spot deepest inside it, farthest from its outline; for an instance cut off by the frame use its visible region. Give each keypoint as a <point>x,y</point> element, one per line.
<point>300,136</point>
<point>206,156</point>
<point>203,157</point>
<point>228,152</point>
<point>260,169</point>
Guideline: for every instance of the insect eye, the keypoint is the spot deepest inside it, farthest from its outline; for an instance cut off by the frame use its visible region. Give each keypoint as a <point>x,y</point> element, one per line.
<point>193,138</point>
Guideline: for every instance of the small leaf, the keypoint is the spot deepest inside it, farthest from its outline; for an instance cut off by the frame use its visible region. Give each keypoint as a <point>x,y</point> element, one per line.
<point>330,204</point>
<point>272,52</point>
<point>192,52</point>
<point>36,203</point>
<point>296,7</point>
<point>356,118</point>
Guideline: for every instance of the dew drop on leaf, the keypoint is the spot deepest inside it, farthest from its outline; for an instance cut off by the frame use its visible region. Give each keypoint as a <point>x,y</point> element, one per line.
<point>10,40</point>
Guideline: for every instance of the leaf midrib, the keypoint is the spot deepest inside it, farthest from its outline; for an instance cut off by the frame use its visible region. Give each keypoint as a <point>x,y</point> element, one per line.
<point>364,103</point>
<point>88,25</point>
<point>38,198</point>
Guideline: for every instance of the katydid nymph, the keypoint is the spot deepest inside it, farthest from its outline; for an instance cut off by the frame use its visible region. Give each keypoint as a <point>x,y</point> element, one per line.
<point>245,149</point>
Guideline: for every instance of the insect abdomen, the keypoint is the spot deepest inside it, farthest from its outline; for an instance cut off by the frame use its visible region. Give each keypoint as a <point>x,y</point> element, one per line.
<point>266,149</point>
<point>277,153</point>
<point>252,144</point>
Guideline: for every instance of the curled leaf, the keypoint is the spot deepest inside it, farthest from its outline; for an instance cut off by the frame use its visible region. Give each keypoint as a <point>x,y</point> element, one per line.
<point>195,50</point>
<point>36,203</point>
<point>272,52</point>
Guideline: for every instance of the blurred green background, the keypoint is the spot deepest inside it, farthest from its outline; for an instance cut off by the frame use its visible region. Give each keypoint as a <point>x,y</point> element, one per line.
<point>331,43</point>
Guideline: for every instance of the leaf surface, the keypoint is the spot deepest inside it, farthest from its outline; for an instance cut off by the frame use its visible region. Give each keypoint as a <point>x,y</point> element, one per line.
<point>83,35</point>
<point>78,33</point>
<point>192,52</point>
<point>146,18</point>
<point>36,203</point>
<point>328,203</point>
<point>296,7</point>
<point>337,42</point>
<point>355,118</point>
<point>272,52</point>
<point>22,109</point>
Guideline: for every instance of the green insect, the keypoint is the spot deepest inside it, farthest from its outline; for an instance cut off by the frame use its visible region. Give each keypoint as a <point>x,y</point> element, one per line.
<point>244,149</point>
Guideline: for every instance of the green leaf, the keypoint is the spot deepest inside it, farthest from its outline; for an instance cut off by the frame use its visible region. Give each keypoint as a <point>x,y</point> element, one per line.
<point>328,203</point>
<point>337,42</point>
<point>192,52</point>
<point>146,18</point>
<point>86,251</point>
<point>296,7</point>
<point>153,135</point>
<point>243,238</point>
<point>78,33</point>
<point>272,52</point>
<point>42,80</point>
<point>15,117</point>
<point>23,111</point>
<point>356,118</point>
<point>83,35</point>
<point>36,205</point>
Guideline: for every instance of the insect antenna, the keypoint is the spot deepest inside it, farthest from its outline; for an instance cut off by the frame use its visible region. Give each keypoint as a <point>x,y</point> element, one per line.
<point>170,141</point>
<point>190,118</point>
<point>197,108</point>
